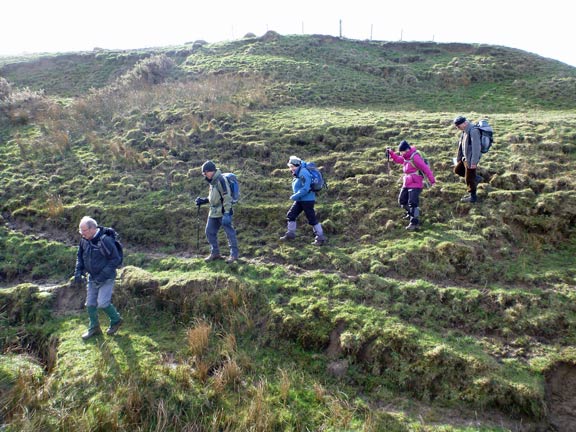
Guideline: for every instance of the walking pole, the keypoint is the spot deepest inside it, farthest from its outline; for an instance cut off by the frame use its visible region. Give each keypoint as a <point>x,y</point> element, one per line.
<point>387,161</point>
<point>198,229</point>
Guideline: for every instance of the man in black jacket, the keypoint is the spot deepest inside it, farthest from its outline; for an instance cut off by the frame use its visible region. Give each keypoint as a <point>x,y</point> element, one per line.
<point>99,257</point>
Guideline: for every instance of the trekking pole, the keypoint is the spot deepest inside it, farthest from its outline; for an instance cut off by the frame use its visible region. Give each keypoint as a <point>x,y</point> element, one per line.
<point>387,161</point>
<point>198,228</point>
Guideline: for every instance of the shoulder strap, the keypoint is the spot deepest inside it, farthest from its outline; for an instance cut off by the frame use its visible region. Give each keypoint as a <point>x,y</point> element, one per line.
<point>103,245</point>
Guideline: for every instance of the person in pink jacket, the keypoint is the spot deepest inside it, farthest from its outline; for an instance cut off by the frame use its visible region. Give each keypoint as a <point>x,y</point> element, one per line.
<point>413,181</point>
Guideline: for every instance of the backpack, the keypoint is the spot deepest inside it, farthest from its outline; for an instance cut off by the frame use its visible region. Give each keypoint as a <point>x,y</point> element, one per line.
<point>234,186</point>
<point>426,161</point>
<point>486,135</point>
<point>111,232</point>
<point>318,182</point>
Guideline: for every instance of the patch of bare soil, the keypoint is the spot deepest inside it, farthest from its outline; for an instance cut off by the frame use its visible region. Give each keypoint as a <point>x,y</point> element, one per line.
<point>561,397</point>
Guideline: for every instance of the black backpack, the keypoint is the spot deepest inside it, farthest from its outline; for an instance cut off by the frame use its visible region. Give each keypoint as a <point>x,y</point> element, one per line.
<point>111,232</point>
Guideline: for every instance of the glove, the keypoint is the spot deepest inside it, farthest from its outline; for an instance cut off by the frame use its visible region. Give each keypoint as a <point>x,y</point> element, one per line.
<point>78,281</point>
<point>227,219</point>
<point>201,201</point>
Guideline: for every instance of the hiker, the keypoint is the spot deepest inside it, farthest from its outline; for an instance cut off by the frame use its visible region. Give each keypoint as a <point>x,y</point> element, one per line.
<point>469,153</point>
<point>413,181</point>
<point>304,198</point>
<point>101,268</point>
<point>220,200</point>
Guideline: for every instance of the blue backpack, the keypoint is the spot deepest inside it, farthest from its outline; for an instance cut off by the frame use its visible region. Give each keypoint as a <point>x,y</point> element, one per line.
<point>318,182</point>
<point>234,186</point>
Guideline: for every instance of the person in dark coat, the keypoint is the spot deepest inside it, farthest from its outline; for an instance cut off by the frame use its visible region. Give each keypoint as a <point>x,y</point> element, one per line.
<point>98,256</point>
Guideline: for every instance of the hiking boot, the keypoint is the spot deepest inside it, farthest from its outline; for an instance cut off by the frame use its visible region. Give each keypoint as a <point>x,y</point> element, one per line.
<point>413,227</point>
<point>114,327</point>
<point>319,241</point>
<point>469,199</point>
<point>92,332</point>
<point>288,236</point>
<point>213,257</point>
<point>231,259</point>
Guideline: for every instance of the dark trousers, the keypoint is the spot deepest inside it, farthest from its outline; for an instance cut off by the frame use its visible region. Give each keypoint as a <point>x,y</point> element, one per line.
<point>409,199</point>
<point>302,206</point>
<point>469,175</point>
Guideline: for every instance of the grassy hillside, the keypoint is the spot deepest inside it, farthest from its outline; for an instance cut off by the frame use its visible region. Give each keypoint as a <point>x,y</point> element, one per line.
<point>465,325</point>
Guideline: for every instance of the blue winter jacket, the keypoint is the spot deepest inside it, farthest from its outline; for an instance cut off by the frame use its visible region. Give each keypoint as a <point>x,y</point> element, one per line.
<point>301,185</point>
<point>92,258</point>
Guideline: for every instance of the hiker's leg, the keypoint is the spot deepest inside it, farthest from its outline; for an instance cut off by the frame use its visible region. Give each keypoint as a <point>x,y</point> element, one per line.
<point>91,307</point>
<point>308,207</point>
<point>291,216</point>
<point>403,201</point>
<point>104,292</point>
<point>93,322</point>
<point>232,240</point>
<point>471,180</point>
<point>414,205</point>
<point>212,227</point>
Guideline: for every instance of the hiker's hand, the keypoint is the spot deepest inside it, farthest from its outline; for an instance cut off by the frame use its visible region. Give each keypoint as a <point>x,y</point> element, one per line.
<point>227,219</point>
<point>78,281</point>
<point>201,201</point>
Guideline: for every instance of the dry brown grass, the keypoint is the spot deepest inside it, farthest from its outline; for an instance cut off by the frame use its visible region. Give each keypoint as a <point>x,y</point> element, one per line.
<point>198,338</point>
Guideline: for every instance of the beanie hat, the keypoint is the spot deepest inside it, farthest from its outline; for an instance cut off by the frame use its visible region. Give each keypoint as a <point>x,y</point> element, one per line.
<point>403,146</point>
<point>294,160</point>
<point>208,166</point>
<point>459,120</point>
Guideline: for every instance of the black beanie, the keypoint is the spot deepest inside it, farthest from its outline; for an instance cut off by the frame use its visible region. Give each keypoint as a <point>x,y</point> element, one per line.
<point>459,120</point>
<point>403,146</point>
<point>208,166</point>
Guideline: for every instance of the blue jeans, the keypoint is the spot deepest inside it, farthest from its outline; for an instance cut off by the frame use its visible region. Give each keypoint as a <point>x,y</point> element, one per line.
<point>99,294</point>
<point>212,227</point>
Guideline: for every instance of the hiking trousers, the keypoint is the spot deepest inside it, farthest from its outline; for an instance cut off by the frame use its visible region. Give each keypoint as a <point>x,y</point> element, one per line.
<point>302,206</point>
<point>409,199</point>
<point>469,175</point>
<point>212,227</point>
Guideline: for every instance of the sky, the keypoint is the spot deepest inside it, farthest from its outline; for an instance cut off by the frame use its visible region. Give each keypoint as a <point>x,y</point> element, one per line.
<point>34,26</point>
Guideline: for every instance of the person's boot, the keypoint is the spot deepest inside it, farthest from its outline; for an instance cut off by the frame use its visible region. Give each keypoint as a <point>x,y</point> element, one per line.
<point>320,239</point>
<point>115,320</point>
<point>479,179</point>
<point>472,198</point>
<point>290,232</point>
<point>413,226</point>
<point>213,257</point>
<point>94,325</point>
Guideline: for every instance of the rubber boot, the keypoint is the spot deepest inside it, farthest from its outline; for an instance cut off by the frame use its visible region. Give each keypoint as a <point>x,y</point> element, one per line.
<point>115,320</point>
<point>320,239</point>
<point>290,232</point>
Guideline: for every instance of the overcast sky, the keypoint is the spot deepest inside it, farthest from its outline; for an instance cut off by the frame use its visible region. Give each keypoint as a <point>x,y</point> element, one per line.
<point>32,26</point>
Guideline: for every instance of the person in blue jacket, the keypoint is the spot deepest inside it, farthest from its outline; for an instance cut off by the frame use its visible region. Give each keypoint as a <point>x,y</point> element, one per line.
<point>100,263</point>
<point>304,199</point>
